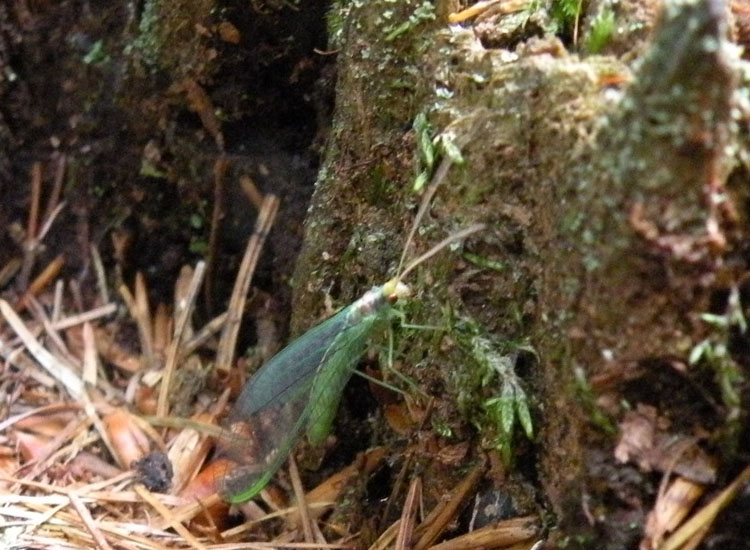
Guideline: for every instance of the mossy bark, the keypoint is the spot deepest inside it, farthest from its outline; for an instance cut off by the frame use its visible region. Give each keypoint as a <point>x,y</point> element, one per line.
<point>598,184</point>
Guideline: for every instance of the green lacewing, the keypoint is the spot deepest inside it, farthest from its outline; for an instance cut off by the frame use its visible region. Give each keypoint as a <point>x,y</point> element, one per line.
<point>298,390</point>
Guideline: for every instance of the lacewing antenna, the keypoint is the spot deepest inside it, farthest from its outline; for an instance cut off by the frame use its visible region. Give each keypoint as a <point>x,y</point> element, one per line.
<point>450,239</point>
<point>436,180</point>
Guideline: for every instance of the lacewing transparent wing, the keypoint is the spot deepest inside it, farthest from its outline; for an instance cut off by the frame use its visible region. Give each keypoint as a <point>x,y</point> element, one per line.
<point>298,389</point>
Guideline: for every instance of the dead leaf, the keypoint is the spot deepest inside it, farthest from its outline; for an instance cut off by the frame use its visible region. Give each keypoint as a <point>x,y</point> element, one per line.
<point>129,443</point>
<point>645,441</point>
<point>672,506</point>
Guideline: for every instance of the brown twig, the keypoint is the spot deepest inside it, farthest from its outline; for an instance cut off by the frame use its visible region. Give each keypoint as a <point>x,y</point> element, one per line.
<point>34,233</point>
<point>436,523</point>
<point>101,277</point>
<point>503,533</point>
<point>57,184</point>
<point>202,336</point>
<point>162,331</point>
<point>220,172</point>
<point>88,521</point>
<point>72,429</point>
<point>59,370</point>
<point>186,512</point>
<point>42,280</point>
<point>228,342</point>
<point>408,456</point>
<point>57,301</point>
<point>9,270</point>
<point>54,338</point>
<point>293,510</point>
<point>30,245</point>
<point>299,493</point>
<point>167,515</point>
<point>173,351</point>
<point>90,356</point>
<point>329,491</point>
<point>143,320</point>
<point>251,191</point>
<point>199,102</point>
<point>46,409</point>
<point>188,451</point>
<point>409,516</point>
<point>88,316</point>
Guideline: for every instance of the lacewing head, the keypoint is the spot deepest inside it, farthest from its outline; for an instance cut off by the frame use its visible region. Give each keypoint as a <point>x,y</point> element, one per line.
<point>394,290</point>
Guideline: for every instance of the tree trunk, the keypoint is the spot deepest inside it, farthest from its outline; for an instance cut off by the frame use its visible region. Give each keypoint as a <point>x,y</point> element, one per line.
<point>608,198</point>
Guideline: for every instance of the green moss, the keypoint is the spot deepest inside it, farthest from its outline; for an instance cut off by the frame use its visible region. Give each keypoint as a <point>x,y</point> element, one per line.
<point>336,18</point>
<point>486,263</point>
<point>97,55</point>
<point>588,400</point>
<point>425,151</point>
<point>167,38</point>
<point>148,43</point>
<point>422,13</point>
<point>380,187</point>
<point>601,31</point>
<point>491,394</point>
<point>714,353</point>
<point>565,14</point>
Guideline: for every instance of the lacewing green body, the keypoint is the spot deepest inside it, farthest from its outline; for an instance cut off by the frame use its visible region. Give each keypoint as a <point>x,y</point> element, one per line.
<point>299,390</point>
<point>300,387</point>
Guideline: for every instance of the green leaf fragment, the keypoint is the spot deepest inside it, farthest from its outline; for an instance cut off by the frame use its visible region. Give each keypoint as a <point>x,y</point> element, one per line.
<point>507,409</point>
<point>450,149</point>
<point>523,412</point>
<point>420,181</point>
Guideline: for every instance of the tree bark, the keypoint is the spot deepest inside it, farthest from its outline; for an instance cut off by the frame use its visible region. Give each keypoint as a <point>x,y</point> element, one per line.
<point>604,187</point>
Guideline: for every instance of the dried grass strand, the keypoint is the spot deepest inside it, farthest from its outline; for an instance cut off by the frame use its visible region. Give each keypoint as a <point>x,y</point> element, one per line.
<point>167,515</point>
<point>409,516</point>
<point>228,341</point>
<point>57,184</point>
<point>62,372</point>
<point>234,531</point>
<point>88,522</point>
<point>501,534</point>
<point>299,493</point>
<point>40,282</point>
<point>706,515</point>
<point>387,537</point>
<point>441,516</point>
<point>87,316</point>
<point>173,351</point>
<point>101,277</point>
<point>32,226</point>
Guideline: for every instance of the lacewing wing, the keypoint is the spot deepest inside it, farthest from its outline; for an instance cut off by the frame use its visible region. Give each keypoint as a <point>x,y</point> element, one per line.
<point>298,389</point>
